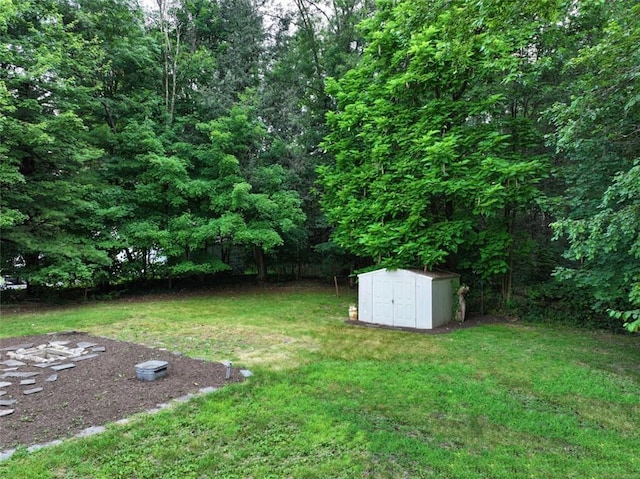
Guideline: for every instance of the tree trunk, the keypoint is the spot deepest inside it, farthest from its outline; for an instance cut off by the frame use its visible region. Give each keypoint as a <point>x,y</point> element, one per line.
<point>507,286</point>
<point>170,57</point>
<point>261,266</point>
<point>507,278</point>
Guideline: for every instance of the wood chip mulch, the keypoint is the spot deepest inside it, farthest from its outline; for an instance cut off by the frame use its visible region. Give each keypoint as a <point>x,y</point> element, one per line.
<point>96,391</point>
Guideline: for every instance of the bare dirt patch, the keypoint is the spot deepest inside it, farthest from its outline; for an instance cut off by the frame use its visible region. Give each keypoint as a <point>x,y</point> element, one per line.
<point>97,391</point>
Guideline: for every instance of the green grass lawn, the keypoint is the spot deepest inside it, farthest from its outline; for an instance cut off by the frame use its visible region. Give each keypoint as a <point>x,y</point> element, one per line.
<point>337,401</point>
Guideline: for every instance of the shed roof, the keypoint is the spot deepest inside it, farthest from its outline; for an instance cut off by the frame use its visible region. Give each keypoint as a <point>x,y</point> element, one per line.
<point>430,274</point>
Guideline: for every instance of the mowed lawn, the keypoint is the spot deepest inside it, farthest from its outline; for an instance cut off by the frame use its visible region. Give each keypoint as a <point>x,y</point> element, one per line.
<point>330,400</point>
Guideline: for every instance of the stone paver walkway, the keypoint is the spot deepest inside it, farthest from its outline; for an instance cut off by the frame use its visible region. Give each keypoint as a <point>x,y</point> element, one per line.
<point>21,372</point>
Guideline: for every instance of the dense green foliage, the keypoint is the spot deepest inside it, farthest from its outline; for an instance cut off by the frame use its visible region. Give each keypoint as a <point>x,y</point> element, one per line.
<point>202,136</point>
<point>433,157</point>
<point>599,131</point>
<point>467,126</point>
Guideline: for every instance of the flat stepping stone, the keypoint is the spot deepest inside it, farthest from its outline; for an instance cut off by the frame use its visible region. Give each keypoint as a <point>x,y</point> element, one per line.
<point>27,382</point>
<point>59,343</point>
<point>60,367</point>
<point>5,384</point>
<point>82,358</point>
<point>13,362</point>
<point>91,431</point>
<point>207,390</point>
<point>246,373</point>
<point>18,346</point>
<point>2,393</point>
<point>85,345</point>
<point>6,370</point>
<point>6,412</point>
<point>99,349</point>
<point>46,365</point>
<point>32,391</point>
<point>18,374</point>
<point>7,402</point>
<point>53,377</point>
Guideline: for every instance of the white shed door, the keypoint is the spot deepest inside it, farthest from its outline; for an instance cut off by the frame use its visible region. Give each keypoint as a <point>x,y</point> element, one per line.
<point>394,301</point>
<point>382,301</point>
<point>404,302</point>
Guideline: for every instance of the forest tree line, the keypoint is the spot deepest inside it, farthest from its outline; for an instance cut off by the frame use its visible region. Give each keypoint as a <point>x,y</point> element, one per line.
<point>497,139</point>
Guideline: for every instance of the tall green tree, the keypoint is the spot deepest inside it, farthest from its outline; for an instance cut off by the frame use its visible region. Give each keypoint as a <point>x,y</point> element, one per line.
<point>160,157</point>
<point>50,210</point>
<point>432,167</point>
<point>125,117</point>
<point>251,202</point>
<point>310,42</point>
<point>211,53</point>
<point>598,132</point>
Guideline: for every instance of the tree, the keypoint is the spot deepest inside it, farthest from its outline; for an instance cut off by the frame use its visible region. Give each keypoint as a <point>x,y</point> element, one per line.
<point>310,42</point>
<point>598,132</point>
<point>429,170</point>
<point>50,210</point>
<point>211,53</point>
<point>251,200</point>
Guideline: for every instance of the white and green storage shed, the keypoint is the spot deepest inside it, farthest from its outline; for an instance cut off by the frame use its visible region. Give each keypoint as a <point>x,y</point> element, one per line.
<point>406,298</point>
